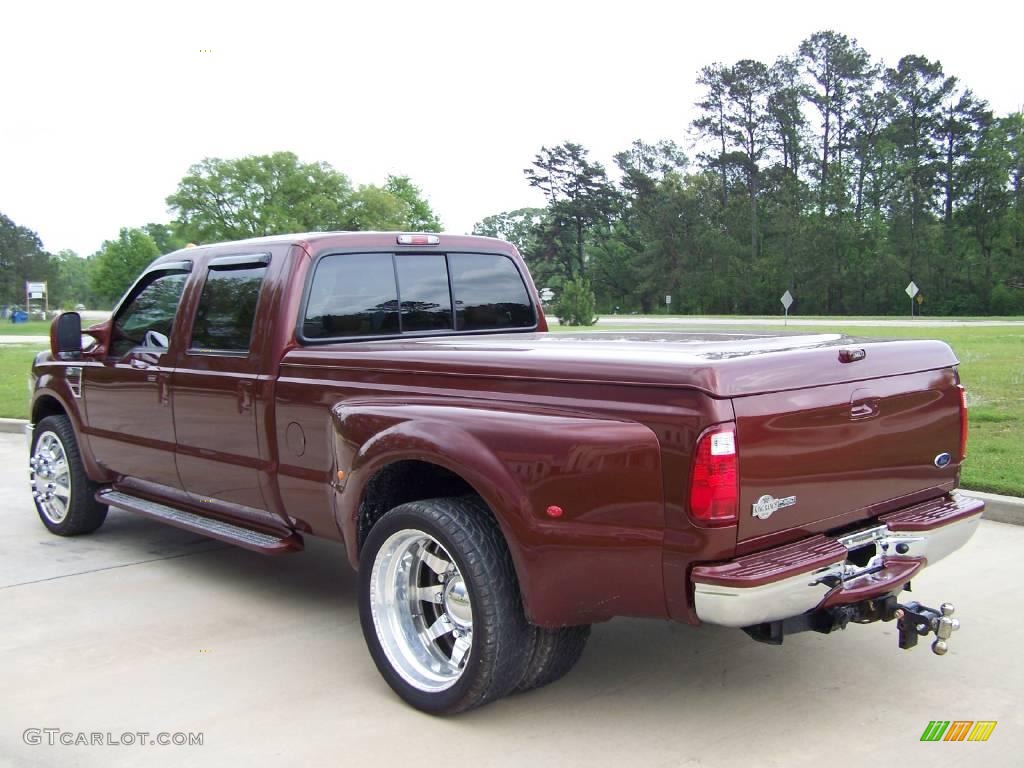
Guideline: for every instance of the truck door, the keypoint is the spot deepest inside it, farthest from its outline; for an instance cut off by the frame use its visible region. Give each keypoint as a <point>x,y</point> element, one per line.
<point>127,394</point>
<point>216,391</point>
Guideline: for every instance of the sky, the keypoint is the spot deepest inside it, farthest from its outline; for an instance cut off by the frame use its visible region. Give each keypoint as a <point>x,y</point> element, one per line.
<point>104,106</point>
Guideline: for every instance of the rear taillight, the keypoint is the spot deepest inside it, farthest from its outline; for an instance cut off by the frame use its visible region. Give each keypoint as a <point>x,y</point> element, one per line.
<point>714,481</point>
<point>963,421</point>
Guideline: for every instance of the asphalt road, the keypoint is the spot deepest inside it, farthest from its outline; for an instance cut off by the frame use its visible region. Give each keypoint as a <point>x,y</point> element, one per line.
<point>685,321</point>
<point>144,628</point>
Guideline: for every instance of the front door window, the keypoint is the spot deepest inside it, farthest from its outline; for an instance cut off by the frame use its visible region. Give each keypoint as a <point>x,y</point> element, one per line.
<point>146,320</point>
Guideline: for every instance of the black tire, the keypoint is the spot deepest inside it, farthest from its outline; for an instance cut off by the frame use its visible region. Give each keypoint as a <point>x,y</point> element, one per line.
<point>555,652</point>
<point>500,634</point>
<point>82,514</point>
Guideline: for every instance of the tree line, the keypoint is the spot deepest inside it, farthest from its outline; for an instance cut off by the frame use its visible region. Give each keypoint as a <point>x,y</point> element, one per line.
<point>824,172</point>
<point>217,200</point>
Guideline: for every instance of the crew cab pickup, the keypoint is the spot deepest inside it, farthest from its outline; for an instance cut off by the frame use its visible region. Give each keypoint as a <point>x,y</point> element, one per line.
<point>498,487</point>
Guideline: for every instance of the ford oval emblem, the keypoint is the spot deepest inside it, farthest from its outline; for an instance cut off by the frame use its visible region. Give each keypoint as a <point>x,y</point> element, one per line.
<point>942,460</point>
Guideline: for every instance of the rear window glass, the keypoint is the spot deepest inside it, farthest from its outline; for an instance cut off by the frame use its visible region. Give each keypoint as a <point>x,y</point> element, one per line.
<point>227,309</point>
<point>423,287</point>
<point>352,295</point>
<point>385,294</point>
<point>489,293</point>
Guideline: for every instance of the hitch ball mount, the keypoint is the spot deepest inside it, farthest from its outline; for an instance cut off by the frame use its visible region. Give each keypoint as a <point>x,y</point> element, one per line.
<point>914,620</point>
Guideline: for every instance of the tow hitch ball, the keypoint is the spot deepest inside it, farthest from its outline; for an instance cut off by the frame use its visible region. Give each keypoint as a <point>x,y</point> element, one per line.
<point>915,620</point>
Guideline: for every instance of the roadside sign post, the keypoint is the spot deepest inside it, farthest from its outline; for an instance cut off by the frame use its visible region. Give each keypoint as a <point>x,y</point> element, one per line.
<point>787,302</point>
<point>37,291</point>
<point>912,291</point>
<point>668,302</point>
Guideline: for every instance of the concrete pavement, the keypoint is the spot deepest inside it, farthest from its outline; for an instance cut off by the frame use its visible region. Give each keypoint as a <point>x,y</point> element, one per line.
<point>42,342</point>
<point>142,627</point>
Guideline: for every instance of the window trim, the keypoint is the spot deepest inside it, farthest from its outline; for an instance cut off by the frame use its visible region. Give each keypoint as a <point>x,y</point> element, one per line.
<point>244,260</point>
<point>183,267</point>
<point>225,263</point>
<point>311,273</point>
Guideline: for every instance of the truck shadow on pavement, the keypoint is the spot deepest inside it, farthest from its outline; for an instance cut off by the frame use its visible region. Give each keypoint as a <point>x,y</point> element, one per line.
<point>631,662</point>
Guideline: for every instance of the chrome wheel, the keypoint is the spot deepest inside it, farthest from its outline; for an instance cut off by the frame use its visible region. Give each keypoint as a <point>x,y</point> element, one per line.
<point>51,477</point>
<point>421,609</point>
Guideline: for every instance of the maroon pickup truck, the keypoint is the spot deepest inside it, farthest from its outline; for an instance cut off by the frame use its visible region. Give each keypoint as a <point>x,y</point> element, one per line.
<point>501,488</point>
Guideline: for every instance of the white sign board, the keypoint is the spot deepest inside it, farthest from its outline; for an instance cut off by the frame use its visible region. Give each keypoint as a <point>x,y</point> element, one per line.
<point>911,289</point>
<point>787,300</point>
<point>546,295</point>
<point>668,300</point>
<point>35,288</point>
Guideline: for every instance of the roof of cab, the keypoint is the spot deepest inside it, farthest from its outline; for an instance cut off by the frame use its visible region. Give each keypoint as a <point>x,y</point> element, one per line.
<point>318,241</point>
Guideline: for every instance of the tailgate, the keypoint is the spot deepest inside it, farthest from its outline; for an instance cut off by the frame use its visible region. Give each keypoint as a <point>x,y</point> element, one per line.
<point>855,448</point>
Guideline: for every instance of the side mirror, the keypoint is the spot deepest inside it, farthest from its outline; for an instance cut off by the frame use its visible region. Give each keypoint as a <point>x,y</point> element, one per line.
<point>66,336</point>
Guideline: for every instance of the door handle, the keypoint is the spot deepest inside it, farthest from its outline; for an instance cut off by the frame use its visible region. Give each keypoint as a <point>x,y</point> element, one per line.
<point>863,410</point>
<point>244,396</point>
<point>140,365</point>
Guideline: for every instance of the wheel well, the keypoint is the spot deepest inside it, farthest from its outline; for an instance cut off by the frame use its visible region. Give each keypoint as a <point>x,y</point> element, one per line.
<point>46,406</point>
<point>405,481</point>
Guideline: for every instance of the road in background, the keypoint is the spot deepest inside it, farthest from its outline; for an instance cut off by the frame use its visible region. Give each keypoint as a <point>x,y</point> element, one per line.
<point>143,627</point>
<point>697,320</point>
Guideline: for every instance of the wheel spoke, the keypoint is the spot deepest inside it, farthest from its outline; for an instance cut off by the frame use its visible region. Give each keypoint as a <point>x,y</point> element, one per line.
<point>440,627</point>
<point>61,491</point>
<point>437,564</point>
<point>460,649</point>
<point>428,594</point>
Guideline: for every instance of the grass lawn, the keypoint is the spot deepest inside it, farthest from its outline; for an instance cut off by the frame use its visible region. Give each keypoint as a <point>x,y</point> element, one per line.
<point>31,328</point>
<point>992,370</point>
<point>15,362</point>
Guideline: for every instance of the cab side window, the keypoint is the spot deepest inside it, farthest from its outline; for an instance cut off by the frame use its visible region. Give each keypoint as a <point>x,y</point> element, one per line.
<point>146,320</point>
<point>227,308</point>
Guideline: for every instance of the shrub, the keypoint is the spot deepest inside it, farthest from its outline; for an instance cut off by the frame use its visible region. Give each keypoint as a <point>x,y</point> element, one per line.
<point>575,305</point>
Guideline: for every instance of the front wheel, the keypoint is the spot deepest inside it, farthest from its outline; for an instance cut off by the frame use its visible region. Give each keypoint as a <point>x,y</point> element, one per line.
<point>63,494</point>
<point>440,606</point>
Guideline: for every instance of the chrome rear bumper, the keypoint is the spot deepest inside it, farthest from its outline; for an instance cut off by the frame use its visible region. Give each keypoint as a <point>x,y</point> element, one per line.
<point>817,572</point>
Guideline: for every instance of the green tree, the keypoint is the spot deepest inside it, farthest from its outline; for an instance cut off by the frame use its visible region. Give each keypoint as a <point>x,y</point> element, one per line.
<point>167,237</point>
<point>71,281</point>
<point>119,262</point>
<point>525,228</point>
<point>373,208</point>
<point>260,195</point>
<point>575,305</point>
<point>580,198</point>
<point>22,258</point>
<point>419,216</point>
<point>918,88</point>
<point>839,72</point>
